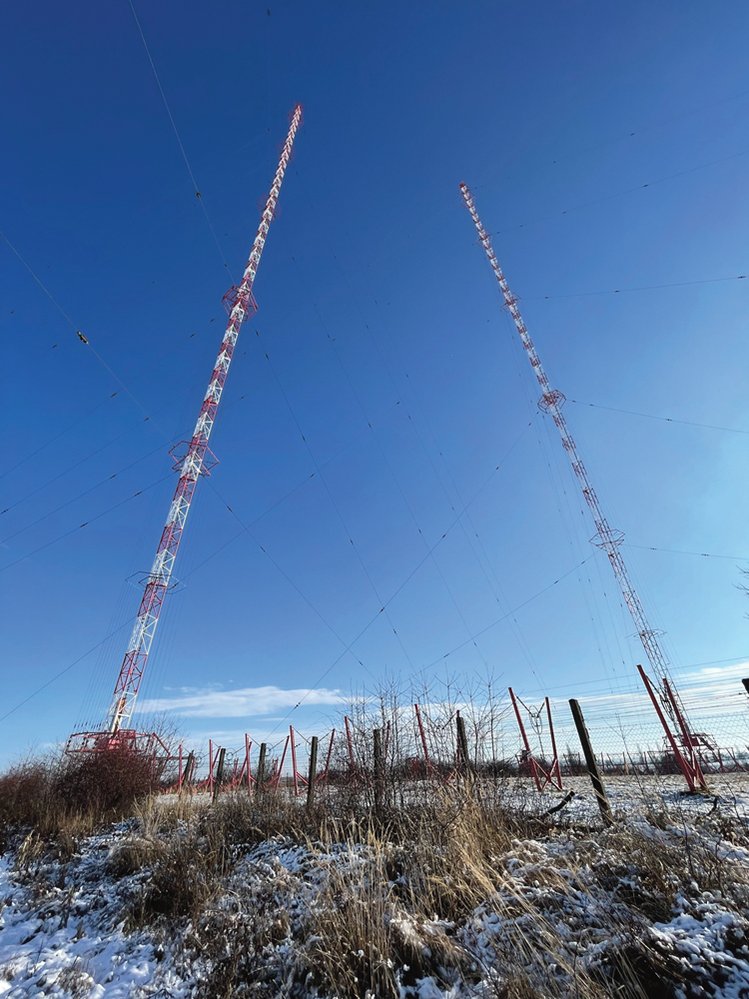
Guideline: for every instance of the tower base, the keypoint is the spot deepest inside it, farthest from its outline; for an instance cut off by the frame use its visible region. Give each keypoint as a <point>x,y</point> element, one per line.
<point>126,739</point>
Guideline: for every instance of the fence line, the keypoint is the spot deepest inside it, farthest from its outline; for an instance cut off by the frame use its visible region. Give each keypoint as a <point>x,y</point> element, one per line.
<point>696,733</point>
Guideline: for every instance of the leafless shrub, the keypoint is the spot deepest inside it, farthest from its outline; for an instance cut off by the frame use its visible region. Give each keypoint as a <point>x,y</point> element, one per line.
<point>106,783</point>
<point>65,798</point>
<point>24,792</point>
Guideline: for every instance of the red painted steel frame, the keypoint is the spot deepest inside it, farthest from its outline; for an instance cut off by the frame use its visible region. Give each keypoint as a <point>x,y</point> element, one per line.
<point>276,779</point>
<point>145,743</point>
<point>542,776</point>
<point>690,768</point>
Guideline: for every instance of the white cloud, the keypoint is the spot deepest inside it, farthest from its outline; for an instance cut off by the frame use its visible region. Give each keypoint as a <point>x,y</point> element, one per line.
<point>191,702</point>
<point>739,670</point>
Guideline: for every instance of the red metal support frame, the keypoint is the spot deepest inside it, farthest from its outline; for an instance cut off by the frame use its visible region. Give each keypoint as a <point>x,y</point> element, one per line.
<point>690,768</point>
<point>543,776</point>
<point>276,779</point>
<point>185,772</point>
<point>143,743</point>
<point>691,741</point>
<point>527,754</point>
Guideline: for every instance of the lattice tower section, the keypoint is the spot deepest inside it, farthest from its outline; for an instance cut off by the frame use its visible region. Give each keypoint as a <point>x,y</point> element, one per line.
<point>551,401</point>
<point>197,461</point>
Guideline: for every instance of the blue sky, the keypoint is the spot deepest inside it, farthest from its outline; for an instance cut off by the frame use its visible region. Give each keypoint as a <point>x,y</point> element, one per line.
<point>607,148</point>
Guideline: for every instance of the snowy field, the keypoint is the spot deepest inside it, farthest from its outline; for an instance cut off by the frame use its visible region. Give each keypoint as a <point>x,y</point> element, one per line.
<point>573,897</point>
<point>627,795</point>
<point>633,794</point>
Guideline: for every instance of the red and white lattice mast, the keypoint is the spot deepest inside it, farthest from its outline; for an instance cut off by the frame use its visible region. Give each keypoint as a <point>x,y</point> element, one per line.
<point>197,461</point>
<point>551,402</point>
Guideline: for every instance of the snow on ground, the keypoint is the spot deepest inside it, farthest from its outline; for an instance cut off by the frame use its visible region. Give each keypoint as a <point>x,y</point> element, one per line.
<point>67,928</point>
<point>630,795</point>
<point>62,934</point>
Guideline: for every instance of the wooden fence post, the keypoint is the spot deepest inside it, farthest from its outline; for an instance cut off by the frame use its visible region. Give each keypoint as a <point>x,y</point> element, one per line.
<point>219,772</point>
<point>312,772</point>
<point>590,760</point>
<point>260,775</point>
<point>189,771</point>
<point>462,743</point>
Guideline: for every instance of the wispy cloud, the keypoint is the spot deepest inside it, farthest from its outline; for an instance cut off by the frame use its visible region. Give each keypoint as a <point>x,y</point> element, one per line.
<point>192,702</point>
<point>739,670</point>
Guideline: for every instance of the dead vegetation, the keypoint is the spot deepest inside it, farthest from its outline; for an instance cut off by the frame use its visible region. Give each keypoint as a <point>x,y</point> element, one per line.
<point>460,890</point>
<point>62,799</point>
<point>457,893</point>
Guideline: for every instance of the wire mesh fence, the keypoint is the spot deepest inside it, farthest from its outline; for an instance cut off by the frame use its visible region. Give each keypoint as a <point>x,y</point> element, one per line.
<point>653,739</point>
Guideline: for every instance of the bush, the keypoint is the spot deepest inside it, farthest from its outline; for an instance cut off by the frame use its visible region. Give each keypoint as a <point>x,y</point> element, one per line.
<point>53,796</point>
<point>106,784</point>
<point>24,794</point>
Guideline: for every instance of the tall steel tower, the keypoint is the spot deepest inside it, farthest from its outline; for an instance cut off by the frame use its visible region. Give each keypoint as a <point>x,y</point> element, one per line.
<point>196,461</point>
<point>551,402</point>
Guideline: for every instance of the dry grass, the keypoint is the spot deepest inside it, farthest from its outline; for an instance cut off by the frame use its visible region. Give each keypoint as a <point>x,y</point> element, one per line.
<point>62,799</point>
<point>453,887</point>
<point>401,896</point>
